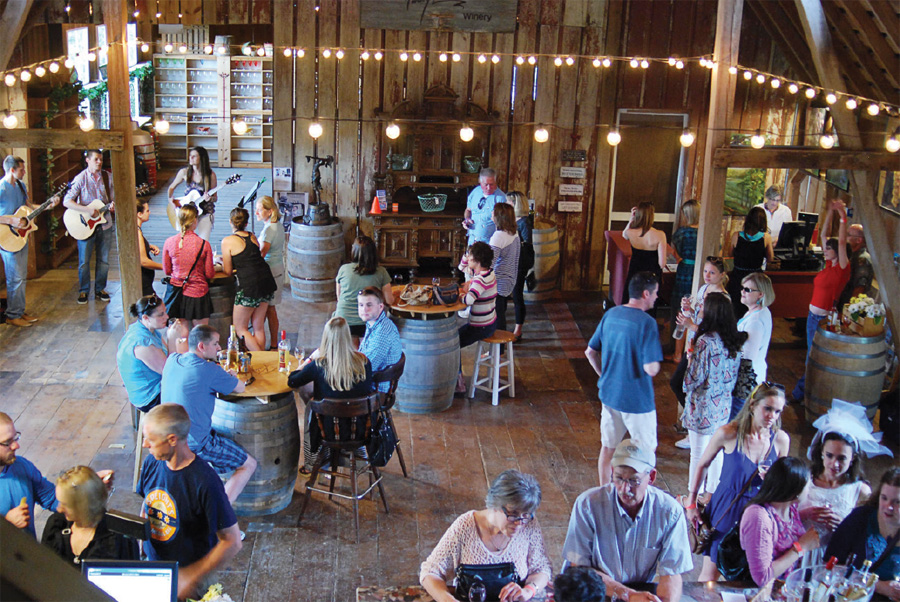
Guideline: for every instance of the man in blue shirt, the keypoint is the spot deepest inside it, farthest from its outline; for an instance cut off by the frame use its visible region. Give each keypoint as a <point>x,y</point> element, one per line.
<point>20,481</point>
<point>15,263</point>
<point>191,520</point>
<point>192,380</point>
<point>381,343</point>
<point>625,353</point>
<point>480,207</point>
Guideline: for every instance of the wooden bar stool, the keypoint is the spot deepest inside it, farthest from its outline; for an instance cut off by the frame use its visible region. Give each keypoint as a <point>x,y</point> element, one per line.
<point>138,450</point>
<point>492,361</point>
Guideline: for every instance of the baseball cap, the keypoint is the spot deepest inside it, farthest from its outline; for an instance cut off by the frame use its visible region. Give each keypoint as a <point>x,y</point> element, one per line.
<point>631,453</point>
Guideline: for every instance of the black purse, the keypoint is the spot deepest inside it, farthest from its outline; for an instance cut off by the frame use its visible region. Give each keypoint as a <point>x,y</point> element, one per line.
<point>732,559</point>
<point>493,576</point>
<point>382,441</point>
<point>175,292</point>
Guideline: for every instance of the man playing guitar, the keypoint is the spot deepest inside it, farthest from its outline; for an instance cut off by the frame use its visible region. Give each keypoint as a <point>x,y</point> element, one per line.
<point>91,184</point>
<point>12,197</point>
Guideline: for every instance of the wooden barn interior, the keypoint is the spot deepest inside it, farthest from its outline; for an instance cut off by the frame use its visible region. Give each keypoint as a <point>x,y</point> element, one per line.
<point>588,107</point>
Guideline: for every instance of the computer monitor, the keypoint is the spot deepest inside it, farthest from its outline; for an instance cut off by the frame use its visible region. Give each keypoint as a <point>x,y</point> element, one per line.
<point>134,580</point>
<point>796,235</point>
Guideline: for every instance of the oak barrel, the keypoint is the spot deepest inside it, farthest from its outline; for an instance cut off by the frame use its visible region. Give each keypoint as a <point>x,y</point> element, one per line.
<point>221,294</point>
<point>432,364</point>
<point>315,253</point>
<point>269,432</point>
<point>845,367</point>
<point>545,237</point>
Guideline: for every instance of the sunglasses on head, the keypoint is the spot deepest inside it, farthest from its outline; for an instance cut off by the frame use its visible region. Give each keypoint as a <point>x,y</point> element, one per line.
<point>770,385</point>
<point>152,303</point>
<point>716,261</point>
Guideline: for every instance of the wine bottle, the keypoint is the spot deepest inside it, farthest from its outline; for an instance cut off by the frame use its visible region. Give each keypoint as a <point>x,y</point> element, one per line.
<point>282,352</point>
<point>233,361</point>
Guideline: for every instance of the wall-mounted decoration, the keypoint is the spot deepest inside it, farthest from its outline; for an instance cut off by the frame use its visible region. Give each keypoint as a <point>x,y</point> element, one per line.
<point>492,16</point>
<point>888,195</point>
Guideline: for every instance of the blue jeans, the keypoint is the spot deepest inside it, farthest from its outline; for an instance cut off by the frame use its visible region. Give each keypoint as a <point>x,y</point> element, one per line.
<point>16,267</point>
<point>812,324</point>
<point>97,242</point>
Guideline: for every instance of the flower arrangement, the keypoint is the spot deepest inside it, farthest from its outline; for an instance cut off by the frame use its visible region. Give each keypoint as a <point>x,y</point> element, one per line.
<point>215,594</point>
<point>865,316</point>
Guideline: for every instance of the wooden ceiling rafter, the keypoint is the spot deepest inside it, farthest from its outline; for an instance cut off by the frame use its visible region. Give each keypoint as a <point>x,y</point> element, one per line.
<point>849,45</point>
<point>865,27</point>
<point>886,14</point>
<point>779,29</point>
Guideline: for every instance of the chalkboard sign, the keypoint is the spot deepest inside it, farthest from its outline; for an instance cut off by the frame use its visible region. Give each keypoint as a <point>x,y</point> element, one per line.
<point>574,154</point>
<point>460,15</point>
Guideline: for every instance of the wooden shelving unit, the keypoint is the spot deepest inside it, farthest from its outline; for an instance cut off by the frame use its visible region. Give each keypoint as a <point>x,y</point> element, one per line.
<point>200,95</point>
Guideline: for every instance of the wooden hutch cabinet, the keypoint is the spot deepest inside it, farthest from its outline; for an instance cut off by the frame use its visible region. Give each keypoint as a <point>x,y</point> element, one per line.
<point>429,157</point>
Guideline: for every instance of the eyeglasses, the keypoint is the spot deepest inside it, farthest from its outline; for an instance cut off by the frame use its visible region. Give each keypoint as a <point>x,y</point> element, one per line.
<point>11,441</point>
<point>519,519</point>
<point>482,202</point>
<point>749,290</point>
<point>633,483</point>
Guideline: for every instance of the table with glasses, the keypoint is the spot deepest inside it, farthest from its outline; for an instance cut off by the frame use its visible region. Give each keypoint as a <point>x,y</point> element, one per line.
<point>263,420</point>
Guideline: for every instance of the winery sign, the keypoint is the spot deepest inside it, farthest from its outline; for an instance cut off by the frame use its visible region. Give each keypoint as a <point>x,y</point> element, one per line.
<point>462,15</point>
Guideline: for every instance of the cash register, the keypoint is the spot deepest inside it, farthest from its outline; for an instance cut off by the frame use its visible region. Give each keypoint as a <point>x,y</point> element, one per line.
<point>793,246</point>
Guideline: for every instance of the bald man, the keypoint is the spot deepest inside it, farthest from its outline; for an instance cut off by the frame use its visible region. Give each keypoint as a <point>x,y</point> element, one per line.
<point>862,273</point>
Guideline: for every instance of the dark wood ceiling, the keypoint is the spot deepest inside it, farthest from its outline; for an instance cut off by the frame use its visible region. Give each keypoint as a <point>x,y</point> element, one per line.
<point>866,37</point>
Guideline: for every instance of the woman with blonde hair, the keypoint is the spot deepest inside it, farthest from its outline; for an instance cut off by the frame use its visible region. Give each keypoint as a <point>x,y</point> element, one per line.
<point>757,294</point>
<point>684,241</point>
<point>335,371</point>
<point>525,226</point>
<point>506,246</point>
<point>77,530</point>
<point>648,245</point>
<point>255,284</point>
<point>271,246</point>
<point>188,262</point>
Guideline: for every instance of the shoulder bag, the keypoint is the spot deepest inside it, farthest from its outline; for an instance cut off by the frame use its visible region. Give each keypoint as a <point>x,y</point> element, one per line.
<point>445,295</point>
<point>493,576</point>
<point>175,292</point>
<point>382,441</point>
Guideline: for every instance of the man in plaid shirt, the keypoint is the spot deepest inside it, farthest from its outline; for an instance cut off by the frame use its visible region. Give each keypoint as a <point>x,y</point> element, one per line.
<point>89,185</point>
<point>381,343</point>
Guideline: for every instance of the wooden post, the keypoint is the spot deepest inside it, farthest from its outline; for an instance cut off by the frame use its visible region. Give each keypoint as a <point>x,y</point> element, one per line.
<point>721,101</point>
<point>114,16</point>
<point>819,39</point>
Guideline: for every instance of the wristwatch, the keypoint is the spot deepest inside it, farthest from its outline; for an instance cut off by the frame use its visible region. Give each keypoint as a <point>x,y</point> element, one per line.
<point>796,545</point>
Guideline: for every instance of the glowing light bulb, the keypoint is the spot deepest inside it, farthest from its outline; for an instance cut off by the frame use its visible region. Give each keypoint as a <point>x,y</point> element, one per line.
<point>456,57</point>
<point>404,56</point>
<point>873,109</point>
<point>596,62</point>
<point>760,79</point>
<point>365,55</point>
<point>851,104</point>
<point>757,141</point>
<point>288,52</point>
<point>520,60</point>
<point>10,79</point>
<point>86,124</point>
<point>315,130</point>
<point>379,55</point>
<point>466,133</point>
<point>776,83</point>
<point>261,51</point>
<point>168,47</point>
<point>25,75</point>
<point>158,15</point>
<point>40,71</point>
<point>145,47</point>
<point>826,141</point>
<point>892,145</point>
<point>239,126</point>
<point>558,61</point>
<point>732,70</point>
<point>161,125</point>
<point>208,49</point>
<point>679,64</point>
<point>748,76</point>
<point>793,88</point>
<point>482,58</point>
<point>613,137</point>
<point>634,63</point>
<point>417,57</point>
<point>54,67</point>
<point>703,61</point>
<point>302,53</point>
<point>92,56</point>
<point>69,63</point>
<point>221,50</point>
<point>392,131</point>
<point>182,49</point>
<point>10,121</point>
<point>831,98</point>
<point>541,135</point>
<point>327,53</point>
<point>671,61</point>
<point>442,57</point>
<point>570,61</point>
<point>532,60</point>
<point>495,59</point>
<point>339,54</point>
<point>645,63</point>
<point>686,139</point>
<point>810,93</point>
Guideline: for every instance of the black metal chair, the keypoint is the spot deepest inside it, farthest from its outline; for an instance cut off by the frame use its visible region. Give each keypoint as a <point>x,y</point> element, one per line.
<point>392,374</point>
<point>345,425</point>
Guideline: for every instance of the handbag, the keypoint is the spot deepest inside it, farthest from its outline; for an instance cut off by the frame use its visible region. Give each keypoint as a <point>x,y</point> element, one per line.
<point>746,379</point>
<point>445,295</point>
<point>415,295</point>
<point>382,441</point>
<point>732,559</point>
<point>493,576</point>
<point>175,292</point>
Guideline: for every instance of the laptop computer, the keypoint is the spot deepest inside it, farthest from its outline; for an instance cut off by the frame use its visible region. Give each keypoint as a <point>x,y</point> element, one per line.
<point>134,580</point>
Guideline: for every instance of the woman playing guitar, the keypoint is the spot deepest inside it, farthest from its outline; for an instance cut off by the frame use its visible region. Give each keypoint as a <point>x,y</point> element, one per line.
<point>199,176</point>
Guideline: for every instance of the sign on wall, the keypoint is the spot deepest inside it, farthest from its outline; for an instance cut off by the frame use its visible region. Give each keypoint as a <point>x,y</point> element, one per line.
<point>462,15</point>
<point>569,207</point>
<point>571,189</point>
<point>572,172</point>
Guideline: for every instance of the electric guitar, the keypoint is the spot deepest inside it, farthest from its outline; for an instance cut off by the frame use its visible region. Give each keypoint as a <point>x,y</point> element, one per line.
<point>13,238</point>
<point>193,198</point>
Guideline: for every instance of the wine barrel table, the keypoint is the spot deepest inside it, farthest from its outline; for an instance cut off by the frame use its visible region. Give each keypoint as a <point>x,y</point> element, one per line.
<point>545,238</point>
<point>263,420</point>
<point>221,294</point>
<point>846,367</point>
<point>314,255</point>
<point>430,339</point>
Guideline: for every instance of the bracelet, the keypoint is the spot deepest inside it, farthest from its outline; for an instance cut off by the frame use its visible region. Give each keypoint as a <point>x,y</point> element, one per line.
<point>531,587</point>
<point>691,507</point>
<point>797,547</point>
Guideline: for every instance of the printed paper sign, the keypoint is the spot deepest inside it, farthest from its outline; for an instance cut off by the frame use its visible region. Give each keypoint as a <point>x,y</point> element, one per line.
<point>569,206</point>
<point>572,172</point>
<point>571,189</point>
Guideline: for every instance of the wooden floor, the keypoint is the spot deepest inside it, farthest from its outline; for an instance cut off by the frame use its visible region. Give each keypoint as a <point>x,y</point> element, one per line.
<point>59,382</point>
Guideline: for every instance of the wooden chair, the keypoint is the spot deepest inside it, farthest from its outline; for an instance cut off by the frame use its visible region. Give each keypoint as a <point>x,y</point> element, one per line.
<point>392,375</point>
<point>493,362</point>
<point>345,425</point>
<point>138,450</point>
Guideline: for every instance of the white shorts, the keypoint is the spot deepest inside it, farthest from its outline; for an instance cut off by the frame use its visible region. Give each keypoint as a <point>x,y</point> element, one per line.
<point>278,275</point>
<point>614,424</point>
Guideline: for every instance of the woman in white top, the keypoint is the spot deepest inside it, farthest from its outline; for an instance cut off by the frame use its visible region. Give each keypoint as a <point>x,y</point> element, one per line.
<point>837,486</point>
<point>505,531</point>
<point>757,294</point>
<point>271,246</point>
<point>506,246</point>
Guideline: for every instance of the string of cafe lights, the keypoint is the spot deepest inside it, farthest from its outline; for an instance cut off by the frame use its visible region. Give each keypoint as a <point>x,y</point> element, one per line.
<point>852,102</point>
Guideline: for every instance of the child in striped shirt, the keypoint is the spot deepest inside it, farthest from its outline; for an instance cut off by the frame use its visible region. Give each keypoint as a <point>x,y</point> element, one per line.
<point>480,295</point>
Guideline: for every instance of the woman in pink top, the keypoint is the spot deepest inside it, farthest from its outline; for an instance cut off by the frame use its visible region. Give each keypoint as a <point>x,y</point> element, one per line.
<point>772,534</point>
<point>505,531</point>
<point>179,256</point>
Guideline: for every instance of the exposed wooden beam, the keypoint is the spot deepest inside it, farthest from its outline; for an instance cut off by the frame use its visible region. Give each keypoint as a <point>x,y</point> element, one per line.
<point>879,245</point>
<point>785,35</point>
<point>886,15</point>
<point>882,53</point>
<point>50,138</point>
<point>859,53</point>
<point>722,85</point>
<point>805,158</point>
<point>11,22</point>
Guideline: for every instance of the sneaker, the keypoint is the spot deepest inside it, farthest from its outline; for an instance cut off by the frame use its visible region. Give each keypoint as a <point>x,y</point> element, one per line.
<point>82,298</point>
<point>102,296</point>
<point>679,428</point>
<point>683,443</point>
<point>243,536</point>
<point>20,322</point>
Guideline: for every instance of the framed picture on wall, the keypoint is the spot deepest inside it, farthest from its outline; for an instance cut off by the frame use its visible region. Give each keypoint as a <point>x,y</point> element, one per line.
<point>888,193</point>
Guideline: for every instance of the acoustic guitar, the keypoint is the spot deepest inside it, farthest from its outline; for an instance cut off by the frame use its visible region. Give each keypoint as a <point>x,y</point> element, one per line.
<point>81,225</point>
<point>13,238</point>
<point>193,198</point>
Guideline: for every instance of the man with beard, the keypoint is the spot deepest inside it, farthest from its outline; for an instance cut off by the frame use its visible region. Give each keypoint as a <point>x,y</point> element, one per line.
<point>21,484</point>
<point>628,531</point>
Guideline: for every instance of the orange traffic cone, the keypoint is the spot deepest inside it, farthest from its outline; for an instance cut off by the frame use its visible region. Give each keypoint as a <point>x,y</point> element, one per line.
<point>376,208</point>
